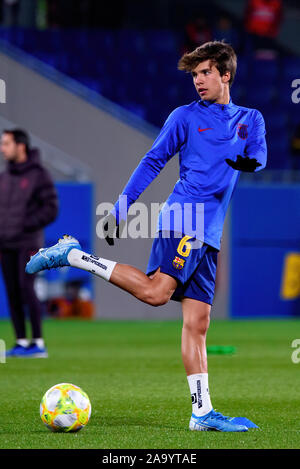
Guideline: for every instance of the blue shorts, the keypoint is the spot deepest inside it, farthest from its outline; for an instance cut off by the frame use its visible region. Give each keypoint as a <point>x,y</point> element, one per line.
<point>192,263</point>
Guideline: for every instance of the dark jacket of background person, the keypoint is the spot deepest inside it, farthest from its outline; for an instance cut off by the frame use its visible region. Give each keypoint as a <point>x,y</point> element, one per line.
<point>28,202</point>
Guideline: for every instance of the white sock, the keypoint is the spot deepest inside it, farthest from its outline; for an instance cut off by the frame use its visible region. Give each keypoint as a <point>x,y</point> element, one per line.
<point>201,404</point>
<point>96,265</point>
<point>23,342</point>
<point>39,342</point>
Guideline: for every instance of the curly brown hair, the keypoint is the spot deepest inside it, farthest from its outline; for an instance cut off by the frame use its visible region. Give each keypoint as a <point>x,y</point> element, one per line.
<point>219,53</point>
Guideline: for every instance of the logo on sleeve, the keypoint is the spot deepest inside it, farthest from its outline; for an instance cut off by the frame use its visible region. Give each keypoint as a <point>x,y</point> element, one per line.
<point>242,131</point>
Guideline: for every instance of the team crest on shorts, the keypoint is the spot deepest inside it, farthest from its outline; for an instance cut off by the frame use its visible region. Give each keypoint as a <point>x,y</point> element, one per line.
<point>178,263</point>
<point>242,131</point>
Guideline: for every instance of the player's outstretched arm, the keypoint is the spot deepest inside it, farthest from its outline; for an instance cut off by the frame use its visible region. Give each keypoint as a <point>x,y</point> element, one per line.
<point>167,144</point>
<point>255,154</point>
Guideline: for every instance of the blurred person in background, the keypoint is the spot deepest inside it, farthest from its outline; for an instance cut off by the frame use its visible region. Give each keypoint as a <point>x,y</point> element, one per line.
<point>28,203</point>
<point>262,21</point>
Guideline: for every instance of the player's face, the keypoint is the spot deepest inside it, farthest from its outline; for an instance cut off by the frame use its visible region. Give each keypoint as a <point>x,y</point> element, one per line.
<point>8,147</point>
<point>209,84</point>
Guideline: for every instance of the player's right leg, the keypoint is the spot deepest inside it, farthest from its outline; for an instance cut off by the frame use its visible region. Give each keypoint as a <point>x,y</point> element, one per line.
<point>155,290</point>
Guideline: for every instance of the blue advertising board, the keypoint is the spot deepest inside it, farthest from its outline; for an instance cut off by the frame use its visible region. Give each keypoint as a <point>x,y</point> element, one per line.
<point>265,251</point>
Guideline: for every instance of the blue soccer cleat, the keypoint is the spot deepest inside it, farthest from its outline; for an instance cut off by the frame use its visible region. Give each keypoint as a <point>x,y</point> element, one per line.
<point>55,256</point>
<point>243,421</point>
<point>16,351</point>
<point>214,421</point>
<point>33,351</point>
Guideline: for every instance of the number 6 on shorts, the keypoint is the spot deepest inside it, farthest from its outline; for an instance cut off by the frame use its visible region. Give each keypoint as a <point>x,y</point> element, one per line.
<point>184,247</point>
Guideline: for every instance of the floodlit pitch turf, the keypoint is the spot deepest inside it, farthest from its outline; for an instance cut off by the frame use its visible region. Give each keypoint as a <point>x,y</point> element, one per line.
<point>133,374</point>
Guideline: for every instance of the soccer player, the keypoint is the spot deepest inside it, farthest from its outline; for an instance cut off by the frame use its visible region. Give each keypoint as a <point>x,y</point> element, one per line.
<point>216,139</point>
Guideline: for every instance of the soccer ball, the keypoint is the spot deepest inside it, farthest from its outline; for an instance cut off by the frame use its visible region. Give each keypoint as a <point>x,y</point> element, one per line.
<point>65,408</point>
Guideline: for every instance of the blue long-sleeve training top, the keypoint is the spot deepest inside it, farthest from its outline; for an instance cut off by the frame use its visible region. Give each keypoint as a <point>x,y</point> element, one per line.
<point>204,134</point>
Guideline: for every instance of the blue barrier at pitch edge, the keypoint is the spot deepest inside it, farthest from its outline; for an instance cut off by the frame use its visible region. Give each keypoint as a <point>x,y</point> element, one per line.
<point>265,230</point>
<point>76,218</point>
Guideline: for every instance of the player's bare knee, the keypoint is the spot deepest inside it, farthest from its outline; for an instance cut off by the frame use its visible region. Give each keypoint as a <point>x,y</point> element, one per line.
<point>156,297</point>
<point>198,325</point>
<point>162,299</point>
<point>157,300</point>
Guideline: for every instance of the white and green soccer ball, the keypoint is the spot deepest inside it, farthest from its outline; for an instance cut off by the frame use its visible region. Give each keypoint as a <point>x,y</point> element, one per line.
<point>65,408</point>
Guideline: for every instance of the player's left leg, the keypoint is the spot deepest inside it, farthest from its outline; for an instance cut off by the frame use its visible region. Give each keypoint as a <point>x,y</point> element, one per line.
<point>196,318</point>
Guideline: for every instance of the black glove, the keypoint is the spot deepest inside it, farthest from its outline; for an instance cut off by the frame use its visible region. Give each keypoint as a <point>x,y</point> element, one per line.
<point>244,163</point>
<point>111,229</point>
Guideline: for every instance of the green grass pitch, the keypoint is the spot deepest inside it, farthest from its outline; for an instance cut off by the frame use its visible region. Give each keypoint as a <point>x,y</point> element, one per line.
<point>133,374</point>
